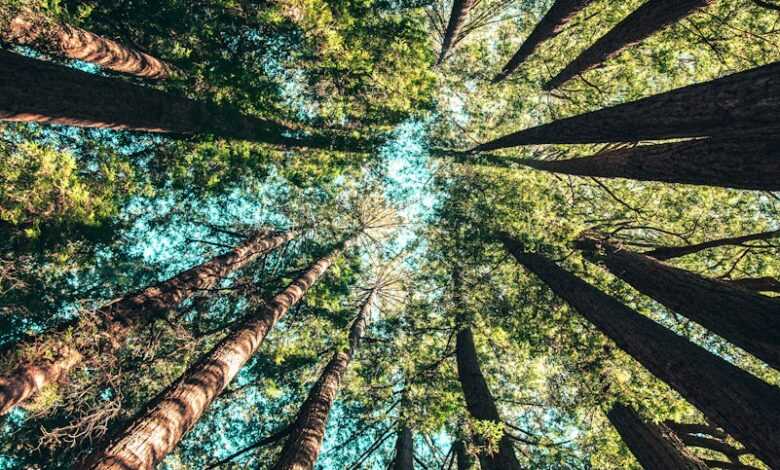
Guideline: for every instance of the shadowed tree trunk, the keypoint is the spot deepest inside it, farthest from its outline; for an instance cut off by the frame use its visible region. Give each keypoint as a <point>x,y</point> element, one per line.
<point>742,103</point>
<point>460,9</point>
<point>655,446</point>
<point>651,17</point>
<point>38,91</point>
<point>745,318</point>
<point>743,405</point>
<point>36,31</point>
<point>303,446</point>
<point>758,284</point>
<point>465,461</point>
<point>743,164</point>
<point>695,428</point>
<point>122,315</point>
<point>669,252</point>
<point>550,26</point>
<point>404,449</point>
<point>152,434</point>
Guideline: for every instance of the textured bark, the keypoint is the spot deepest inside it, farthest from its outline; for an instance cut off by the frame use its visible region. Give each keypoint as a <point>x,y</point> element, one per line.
<point>743,164</point>
<point>152,434</point>
<point>460,9</point>
<point>741,404</point>
<point>738,104</point>
<point>120,316</point>
<point>669,252</point>
<point>550,26</point>
<point>745,318</point>
<point>655,446</point>
<point>404,449</point>
<point>651,17</point>
<point>303,446</point>
<point>480,403</point>
<point>758,284</point>
<point>38,91</point>
<point>464,459</point>
<point>33,30</point>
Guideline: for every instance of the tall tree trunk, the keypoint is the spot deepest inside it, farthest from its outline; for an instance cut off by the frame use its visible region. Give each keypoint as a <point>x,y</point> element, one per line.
<point>404,449</point>
<point>36,31</point>
<point>743,405</point>
<point>550,26</point>
<point>729,163</point>
<point>651,17</point>
<point>303,445</point>
<point>38,91</point>
<point>464,459</point>
<point>745,318</point>
<point>480,403</point>
<point>153,433</point>
<point>121,316</point>
<point>668,252</point>
<point>655,446</point>
<point>460,9</point>
<point>758,284</point>
<point>742,103</point>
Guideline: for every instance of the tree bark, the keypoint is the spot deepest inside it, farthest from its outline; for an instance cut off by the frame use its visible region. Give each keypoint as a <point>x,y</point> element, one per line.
<point>30,29</point>
<point>741,404</point>
<point>729,465</point>
<point>651,17</point>
<point>758,284</point>
<point>668,252</point>
<point>121,316</point>
<point>745,318</point>
<point>480,403</point>
<point>728,163</point>
<point>404,449</point>
<point>695,428</point>
<point>460,9</point>
<point>550,26</point>
<point>303,445</point>
<point>38,91</point>
<point>464,459</point>
<point>735,105</point>
<point>153,433</point>
<point>731,452</point>
<point>655,446</point>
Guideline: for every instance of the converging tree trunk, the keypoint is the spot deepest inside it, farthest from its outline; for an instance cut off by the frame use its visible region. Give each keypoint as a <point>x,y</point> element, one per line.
<point>743,164</point>
<point>745,318</point>
<point>669,252</point>
<point>404,449</point>
<point>550,26</point>
<point>31,29</point>
<point>122,315</point>
<point>460,9</point>
<point>655,446</point>
<point>743,103</point>
<point>303,445</point>
<point>152,434</point>
<point>651,17</point>
<point>743,405</point>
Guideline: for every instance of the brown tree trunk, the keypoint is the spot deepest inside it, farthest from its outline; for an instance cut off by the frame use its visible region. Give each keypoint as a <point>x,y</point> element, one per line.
<point>655,446</point>
<point>758,284</point>
<point>742,103</point>
<point>480,403</point>
<point>404,449</point>
<point>695,428</point>
<point>34,30</point>
<point>38,91</point>
<point>669,252</point>
<point>460,9</point>
<point>303,445</point>
<point>152,434</point>
<point>651,17</point>
<point>731,452</point>
<point>550,26</point>
<point>120,316</point>
<point>745,318</point>
<point>729,163</point>
<point>743,405</point>
<point>464,459</point>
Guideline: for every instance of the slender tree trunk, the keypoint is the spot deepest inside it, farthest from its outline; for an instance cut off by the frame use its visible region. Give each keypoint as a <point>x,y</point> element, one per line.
<point>745,318</point>
<point>668,252</point>
<point>716,445</point>
<point>303,445</point>
<point>34,30</point>
<point>655,446</point>
<point>743,103</point>
<point>38,91</point>
<point>758,284</point>
<point>404,449</point>
<point>695,428</point>
<point>728,465</point>
<point>152,434</point>
<point>743,405</point>
<point>465,461</point>
<point>550,26</point>
<point>480,403</point>
<point>460,9</point>
<point>121,316</point>
<point>729,163</point>
<point>651,17</point>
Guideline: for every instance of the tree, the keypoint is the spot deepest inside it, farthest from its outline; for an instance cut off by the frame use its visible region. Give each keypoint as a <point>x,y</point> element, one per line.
<point>743,405</point>
<point>550,26</point>
<point>404,449</point>
<point>664,253</point>
<point>649,18</point>
<point>460,9</point>
<point>709,437</point>
<point>464,459</point>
